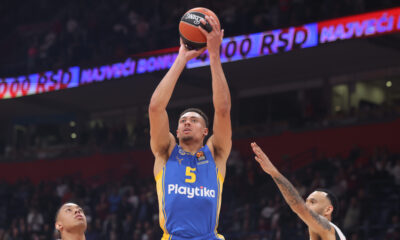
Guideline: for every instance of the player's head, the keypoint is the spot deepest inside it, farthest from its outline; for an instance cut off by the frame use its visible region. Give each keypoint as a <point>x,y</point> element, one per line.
<point>323,202</point>
<point>70,218</point>
<point>192,125</point>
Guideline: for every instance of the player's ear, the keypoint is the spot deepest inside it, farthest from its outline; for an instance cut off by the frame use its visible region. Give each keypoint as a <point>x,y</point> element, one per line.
<point>329,210</point>
<point>58,226</point>
<point>205,131</point>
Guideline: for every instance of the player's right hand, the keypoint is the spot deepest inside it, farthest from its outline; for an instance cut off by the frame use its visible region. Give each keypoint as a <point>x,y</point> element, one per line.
<point>263,159</point>
<point>189,54</point>
<point>214,38</point>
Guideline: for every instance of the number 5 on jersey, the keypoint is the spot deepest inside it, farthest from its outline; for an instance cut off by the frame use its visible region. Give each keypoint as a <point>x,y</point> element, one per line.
<point>191,176</point>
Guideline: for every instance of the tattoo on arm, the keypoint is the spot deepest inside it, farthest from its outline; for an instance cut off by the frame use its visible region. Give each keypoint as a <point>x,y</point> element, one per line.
<point>290,194</point>
<point>321,221</point>
<point>293,198</point>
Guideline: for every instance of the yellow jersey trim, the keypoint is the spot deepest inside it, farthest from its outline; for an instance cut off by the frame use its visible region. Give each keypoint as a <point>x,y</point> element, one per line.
<point>160,178</point>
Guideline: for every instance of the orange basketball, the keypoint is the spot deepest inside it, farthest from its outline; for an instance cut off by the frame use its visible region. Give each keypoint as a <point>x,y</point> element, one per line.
<point>188,30</point>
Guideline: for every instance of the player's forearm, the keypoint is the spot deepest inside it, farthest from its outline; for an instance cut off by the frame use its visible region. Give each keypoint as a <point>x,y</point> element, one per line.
<point>165,88</point>
<point>297,204</point>
<point>221,94</point>
<point>289,192</point>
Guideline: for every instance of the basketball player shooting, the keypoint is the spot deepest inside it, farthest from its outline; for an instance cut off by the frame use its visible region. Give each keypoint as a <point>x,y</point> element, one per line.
<point>189,175</point>
<point>316,212</point>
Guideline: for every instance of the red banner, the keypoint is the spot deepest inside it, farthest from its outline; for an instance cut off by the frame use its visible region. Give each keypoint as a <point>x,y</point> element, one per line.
<point>358,26</point>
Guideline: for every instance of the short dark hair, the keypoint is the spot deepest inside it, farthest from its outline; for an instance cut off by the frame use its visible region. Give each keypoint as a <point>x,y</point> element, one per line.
<point>334,200</point>
<point>196,110</point>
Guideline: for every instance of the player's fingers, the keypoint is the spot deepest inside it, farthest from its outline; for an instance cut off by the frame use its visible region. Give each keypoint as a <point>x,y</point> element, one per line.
<point>252,145</point>
<point>201,50</point>
<point>197,52</point>
<point>259,151</point>
<point>204,32</point>
<point>204,21</point>
<point>255,150</point>
<point>213,23</point>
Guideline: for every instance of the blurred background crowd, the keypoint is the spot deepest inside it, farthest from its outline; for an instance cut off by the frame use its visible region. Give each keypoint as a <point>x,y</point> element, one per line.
<point>366,184</point>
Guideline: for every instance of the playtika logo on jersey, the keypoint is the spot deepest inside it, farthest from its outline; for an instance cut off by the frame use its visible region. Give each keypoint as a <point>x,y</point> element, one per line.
<point>191,192</point>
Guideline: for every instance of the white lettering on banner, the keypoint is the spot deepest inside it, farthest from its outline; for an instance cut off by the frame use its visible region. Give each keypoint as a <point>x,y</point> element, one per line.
<point>191,192</point>
<point>260,44</point>
<point>158,63</point>
<point>115,71</point>
<point>357,29</point>
<point>39,82</point>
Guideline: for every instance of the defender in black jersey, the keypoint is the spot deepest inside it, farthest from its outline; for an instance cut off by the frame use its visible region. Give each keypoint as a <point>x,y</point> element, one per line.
<point>316,212</point>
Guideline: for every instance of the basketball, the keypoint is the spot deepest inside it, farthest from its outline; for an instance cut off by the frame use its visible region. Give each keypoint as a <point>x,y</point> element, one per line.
<point>192,37</point>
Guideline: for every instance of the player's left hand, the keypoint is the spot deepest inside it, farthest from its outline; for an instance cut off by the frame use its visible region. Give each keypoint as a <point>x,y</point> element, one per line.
<point>187,54</point>
<point>263,159</point>
<point>214,38</point>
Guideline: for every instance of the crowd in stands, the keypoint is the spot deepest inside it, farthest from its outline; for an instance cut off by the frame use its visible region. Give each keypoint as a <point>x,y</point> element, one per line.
<point>366,183</point>
<point>44,35</point>
<point>67,137</point>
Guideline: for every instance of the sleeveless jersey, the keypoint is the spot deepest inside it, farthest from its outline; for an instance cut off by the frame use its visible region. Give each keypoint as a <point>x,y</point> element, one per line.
<point>338,233</point>
<point>189,196</point>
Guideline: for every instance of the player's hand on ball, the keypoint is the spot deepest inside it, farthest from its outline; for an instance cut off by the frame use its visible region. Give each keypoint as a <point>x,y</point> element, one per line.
<point>263,159</point>
<point>189,54</point>
<point>214,38</point>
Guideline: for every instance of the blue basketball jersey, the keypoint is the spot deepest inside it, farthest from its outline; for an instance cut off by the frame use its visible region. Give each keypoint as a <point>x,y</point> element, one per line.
<point>189,196</point>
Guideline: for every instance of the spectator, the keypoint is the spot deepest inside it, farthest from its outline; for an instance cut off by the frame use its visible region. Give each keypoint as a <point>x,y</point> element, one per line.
<point>35,220</point>
<point>352,216</point>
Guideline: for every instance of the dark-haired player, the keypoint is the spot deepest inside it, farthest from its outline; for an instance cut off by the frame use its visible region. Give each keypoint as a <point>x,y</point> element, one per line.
<point>316,212</point>
<point>189,175</point>
<point>71,222</point>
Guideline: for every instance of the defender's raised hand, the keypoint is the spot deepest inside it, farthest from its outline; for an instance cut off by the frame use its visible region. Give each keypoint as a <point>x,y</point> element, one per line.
<point>263,159</point>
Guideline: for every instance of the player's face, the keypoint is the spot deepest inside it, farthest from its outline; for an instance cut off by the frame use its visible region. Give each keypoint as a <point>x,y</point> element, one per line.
<point>71,218</point>
<point>191,126</point>
<point>319,203</point>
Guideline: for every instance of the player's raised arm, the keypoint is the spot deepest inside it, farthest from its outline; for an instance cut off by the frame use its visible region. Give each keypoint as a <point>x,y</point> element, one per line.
<point>314,221</point>
<point>221,140</point>
<point>159,125</point>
